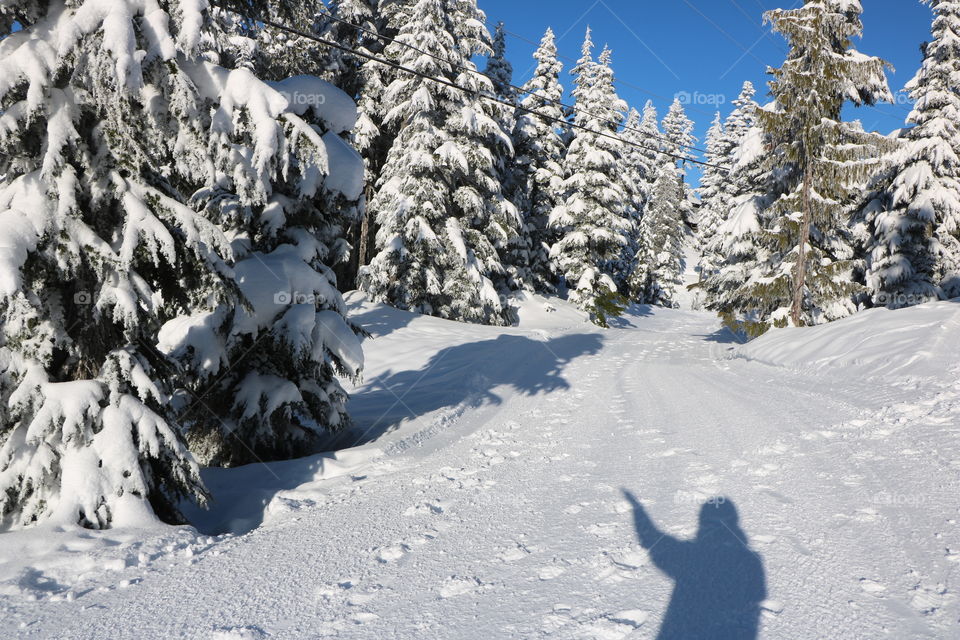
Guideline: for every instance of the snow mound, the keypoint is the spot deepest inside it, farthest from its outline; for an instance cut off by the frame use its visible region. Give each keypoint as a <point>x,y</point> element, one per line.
<point>920,340</point>
<point>537,312</point>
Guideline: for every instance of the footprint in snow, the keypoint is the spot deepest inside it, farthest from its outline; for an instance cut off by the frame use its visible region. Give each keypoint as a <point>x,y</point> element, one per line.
<point>872,587</point>
<point>512,554</point>
<point>550,572</point>
<point>238,633</point>
<point>430,507</point>
<point>458,586</point>
<point>392,553</point>
<point>929,600</point>
<point>612,626</point>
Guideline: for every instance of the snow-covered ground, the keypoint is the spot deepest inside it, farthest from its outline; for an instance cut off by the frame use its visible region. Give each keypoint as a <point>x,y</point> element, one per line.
<point>488,494</point>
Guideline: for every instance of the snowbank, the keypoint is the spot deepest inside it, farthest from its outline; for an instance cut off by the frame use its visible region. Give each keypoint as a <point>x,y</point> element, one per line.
<point>917,341</point>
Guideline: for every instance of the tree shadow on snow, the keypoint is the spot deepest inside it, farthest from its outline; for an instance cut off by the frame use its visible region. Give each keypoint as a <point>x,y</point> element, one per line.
<point>720,581</point>
<point>635,311</point>
<point>726,335</point>
<point>465,374</point>
<point>241,495</point>
<point>379,320</point>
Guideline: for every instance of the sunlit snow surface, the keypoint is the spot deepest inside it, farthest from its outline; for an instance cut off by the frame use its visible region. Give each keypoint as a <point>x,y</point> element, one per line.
<point>484,494</point>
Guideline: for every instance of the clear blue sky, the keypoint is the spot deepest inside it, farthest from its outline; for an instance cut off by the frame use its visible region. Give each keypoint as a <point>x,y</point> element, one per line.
<point>706,48</point>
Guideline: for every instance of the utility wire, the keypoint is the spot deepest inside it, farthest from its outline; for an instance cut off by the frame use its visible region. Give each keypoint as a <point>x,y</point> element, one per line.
<point>620,81</point>
<point>362,54</point>
<point>512,86</point>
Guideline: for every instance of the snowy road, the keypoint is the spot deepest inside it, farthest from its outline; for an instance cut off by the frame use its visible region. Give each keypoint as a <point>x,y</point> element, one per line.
<point>500,511</point>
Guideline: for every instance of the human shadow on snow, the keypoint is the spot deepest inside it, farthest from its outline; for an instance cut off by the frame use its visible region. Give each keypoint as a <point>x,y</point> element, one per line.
<point>466,374</point>
<point>719,580</point>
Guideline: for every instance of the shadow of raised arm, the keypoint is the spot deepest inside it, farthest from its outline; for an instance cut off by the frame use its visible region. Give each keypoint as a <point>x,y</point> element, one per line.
<point>719,580</point>
<point>665,550</point>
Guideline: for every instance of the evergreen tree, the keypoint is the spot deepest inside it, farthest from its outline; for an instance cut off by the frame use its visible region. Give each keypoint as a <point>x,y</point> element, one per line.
<point>516,259</point>
<point>814,161</point>
<point>138,181</point>
<point>444,223</point>
<point>649,159</point>
<point>677,132</point>
<point>678,138</point>
<point>712,189</point>
<point>741,119</point>
<point>499,69</point>
<point>913,223</point>
<point>730,183</point>
<point>361,26</point>
<point>657,272</point>
<point>539,157</point>
<point>593,219</point>
<point>740,180</point>
<point>355,24</point>
<point>636,171</point>
<point>737,244</point>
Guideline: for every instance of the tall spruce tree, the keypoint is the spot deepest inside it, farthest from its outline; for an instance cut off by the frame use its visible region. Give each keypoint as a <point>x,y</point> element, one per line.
<point>737,245</point>
<point>677,132</point>
<point>444,223</point>
<point>593,220</point>
<point>539,156</point>
<point>139,181</point>
<point>516,257</point>
<point>649,157</point>
<point>731,182</point>
<point>814,161</point>
<point>712,190</point>
<point>678,139</point>
<point>657,270</point>
<point>636,170</point>
<point>499,69</point>
<point>913,223</point>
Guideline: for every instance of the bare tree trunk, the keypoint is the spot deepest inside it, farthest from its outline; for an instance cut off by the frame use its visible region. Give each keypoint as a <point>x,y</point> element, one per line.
<point>800,273</point>
<point>364,233</point>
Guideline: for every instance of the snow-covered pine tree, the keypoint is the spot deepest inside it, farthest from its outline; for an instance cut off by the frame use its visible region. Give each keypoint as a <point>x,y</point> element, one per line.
<point>732,252</point>
<point>593,219</point>
<point>276,52</point>
<point>365,80</point>
<point>736,128</point>
<point>814,162</point>
<point>635,173</point>
<point>134,168</point>
<point>516,258</point>
<point>677,141</point>
<point>273,387</point>
<point>730,184</point>
<point>913,224</point>
<point>539,154</point>
<point>677,132</point>
<point>649,158</point>
<point>499,69</point>
<point>712,191</point>
<point>741,119</point>
<point>737,242</point>
<point>355,24</point>
<point>657,271</point>
<point>444,223</point>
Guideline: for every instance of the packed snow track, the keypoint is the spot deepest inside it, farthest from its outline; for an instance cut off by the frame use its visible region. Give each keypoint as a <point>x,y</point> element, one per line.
<point>559,481</point>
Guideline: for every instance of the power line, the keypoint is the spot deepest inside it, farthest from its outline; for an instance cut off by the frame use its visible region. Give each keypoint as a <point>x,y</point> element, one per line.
<point>309,36</point>
<point>621,82</point>
<point>512,86</point>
